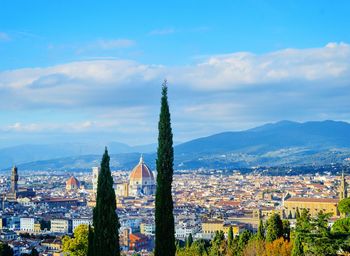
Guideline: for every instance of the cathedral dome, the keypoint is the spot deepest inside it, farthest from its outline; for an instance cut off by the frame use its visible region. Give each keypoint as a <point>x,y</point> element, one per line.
<point>72,183</point>
<point>141,172</point>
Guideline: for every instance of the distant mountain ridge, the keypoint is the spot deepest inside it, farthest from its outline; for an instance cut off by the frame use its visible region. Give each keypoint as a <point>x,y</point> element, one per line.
<point>284,143</point>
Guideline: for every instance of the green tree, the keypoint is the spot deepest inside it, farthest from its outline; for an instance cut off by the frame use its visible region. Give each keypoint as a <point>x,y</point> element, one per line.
<point>274,228</point>
<point>304,224</point>
<point>341,226</point>
<point>164,218</point>
<point>230,236</point>
<point>90,251</point>
<point>297,213</point>
<point>78,245</point>
<point>189,241</point>
<point>260,235</point>
<point>218,244</point>
<point>243,240</point>
<point>344,206</point>
<point>106,221</point>
<point>34,252</point>
<point>297,247</point>
<point>5,250</point>
<point>286,229</point>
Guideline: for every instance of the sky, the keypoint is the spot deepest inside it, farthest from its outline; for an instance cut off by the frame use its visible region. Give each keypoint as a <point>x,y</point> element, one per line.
<point>78,71</point>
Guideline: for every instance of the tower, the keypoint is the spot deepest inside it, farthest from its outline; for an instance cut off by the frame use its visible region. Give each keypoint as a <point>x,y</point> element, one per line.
<point>343,193</point>
<point>95,173</point>
<point>14,180</point>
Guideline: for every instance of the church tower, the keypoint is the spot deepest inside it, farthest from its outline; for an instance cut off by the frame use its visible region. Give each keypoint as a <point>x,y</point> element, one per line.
<point>343,192</point>
<point>14,180</point>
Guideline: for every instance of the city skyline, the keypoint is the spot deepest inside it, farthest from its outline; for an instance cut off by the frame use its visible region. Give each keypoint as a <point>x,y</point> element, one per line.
<point>76,71</point>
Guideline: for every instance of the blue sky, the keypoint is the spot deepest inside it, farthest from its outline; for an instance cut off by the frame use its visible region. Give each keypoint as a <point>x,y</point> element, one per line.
<point>72,70</point>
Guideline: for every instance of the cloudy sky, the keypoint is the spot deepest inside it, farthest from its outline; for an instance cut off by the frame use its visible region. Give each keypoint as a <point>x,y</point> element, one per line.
<point>77,71</point>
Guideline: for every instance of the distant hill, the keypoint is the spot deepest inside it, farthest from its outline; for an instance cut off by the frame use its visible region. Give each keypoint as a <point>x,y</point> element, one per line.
<point>284,143</point>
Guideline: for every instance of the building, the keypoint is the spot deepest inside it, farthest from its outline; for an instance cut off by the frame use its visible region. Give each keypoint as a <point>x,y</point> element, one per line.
<point>72,184</point>
<point>141,182</point>
<point>209,227</point>
<point>27,224</point>
<point>61,226</point>
<point>313,205</point>
<point>138,242</point>
<point>95,173</point>
<point>81,221</point>
<point>343,191</point>
<point>147,229</point>
<point>16,192</point>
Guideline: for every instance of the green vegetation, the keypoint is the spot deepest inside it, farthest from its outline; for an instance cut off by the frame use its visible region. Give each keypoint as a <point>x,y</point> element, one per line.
<point>164,219</point>
<point>5,250</point>
<point>78,245</point>
<point>105,218</point>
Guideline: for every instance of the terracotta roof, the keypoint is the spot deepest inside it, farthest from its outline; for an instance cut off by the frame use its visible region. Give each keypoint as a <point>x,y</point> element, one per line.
<point>141,171</point>
<point>72,181</point>
<point>316,200</point>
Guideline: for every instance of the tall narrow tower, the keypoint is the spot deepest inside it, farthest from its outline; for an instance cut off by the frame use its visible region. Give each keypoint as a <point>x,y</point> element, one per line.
<point>14,180</point>
<point>343,192</point>
<point>95,173</point>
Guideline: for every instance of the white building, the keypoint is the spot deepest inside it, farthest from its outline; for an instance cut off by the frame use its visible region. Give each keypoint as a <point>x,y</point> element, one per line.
<point>148,229</point>
<point>27,224</point>
<point>77,222</point>
<point>61,226</point>
<point>95,173</point>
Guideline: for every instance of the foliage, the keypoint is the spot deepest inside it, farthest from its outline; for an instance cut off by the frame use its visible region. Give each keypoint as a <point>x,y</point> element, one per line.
<point>274,228</point>
<point>279,247</point>
<point>218,244</point>
<point>90,251</point>
<point>164,218</point>
<point>198,248</point>
<point>78,245</point>
<point>286,229</point>
<point>261,231</point>
<point>105,218</point>
<point>341,226</point>
<point>5,250</point>
<point>344,206</point>
<point>255,247</point>
<point>297,247</point>
<point>189,240</point>
<point>304,224</point>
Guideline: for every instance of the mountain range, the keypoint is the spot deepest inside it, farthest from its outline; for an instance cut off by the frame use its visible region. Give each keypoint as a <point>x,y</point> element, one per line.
<point>284,143</point>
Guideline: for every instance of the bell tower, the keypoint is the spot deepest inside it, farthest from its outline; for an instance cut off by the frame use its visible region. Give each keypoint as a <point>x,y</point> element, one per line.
<point>343,192</point>
<point>14,180</point>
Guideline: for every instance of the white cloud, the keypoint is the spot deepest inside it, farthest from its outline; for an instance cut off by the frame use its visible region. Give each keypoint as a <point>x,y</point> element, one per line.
<point>221,92</point>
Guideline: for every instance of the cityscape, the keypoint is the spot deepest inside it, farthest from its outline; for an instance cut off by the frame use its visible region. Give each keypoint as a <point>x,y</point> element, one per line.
<point>180,128</point>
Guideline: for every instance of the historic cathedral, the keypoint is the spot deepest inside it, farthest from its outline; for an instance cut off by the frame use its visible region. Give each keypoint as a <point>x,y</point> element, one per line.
<point>141,182</point>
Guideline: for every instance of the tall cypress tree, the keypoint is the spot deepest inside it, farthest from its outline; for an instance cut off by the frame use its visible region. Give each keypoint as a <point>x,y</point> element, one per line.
<point>90,242</point>
<point>260,235</point>
<point>106,222</point>
<point>274,229</point>
<point>164,218</point>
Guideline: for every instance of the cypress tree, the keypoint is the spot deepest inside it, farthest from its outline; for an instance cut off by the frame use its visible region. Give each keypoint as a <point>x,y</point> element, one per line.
<point>261,232</point>
<point>230,236</point>
<point>90,242</point>
<point>106,222</point>
<point>164,218</point>
<point>189,241</point>
<point>274,228</point>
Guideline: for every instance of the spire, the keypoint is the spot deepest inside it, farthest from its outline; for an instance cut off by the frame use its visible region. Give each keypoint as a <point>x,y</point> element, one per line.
<point>141,159</point>
<point>343,193</point>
